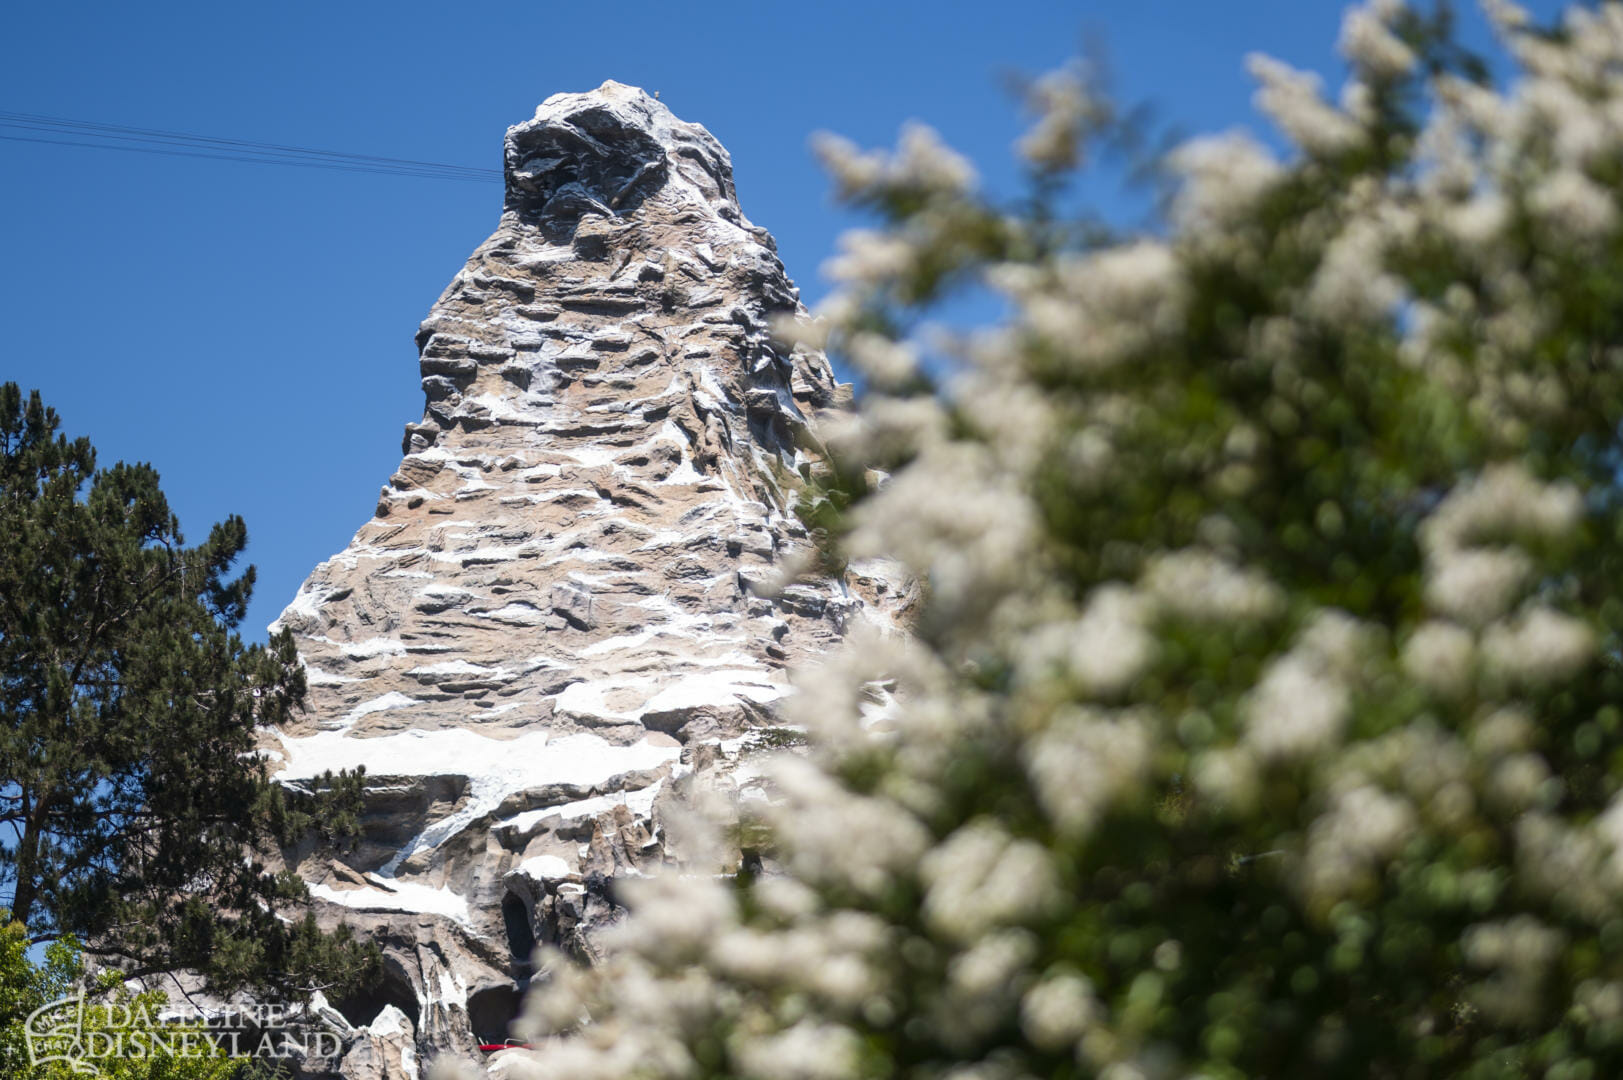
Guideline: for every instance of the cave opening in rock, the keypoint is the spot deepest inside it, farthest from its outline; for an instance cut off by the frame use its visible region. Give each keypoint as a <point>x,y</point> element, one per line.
<point>520,938</point>
<point>394,988</point>
<point>491,1013</point>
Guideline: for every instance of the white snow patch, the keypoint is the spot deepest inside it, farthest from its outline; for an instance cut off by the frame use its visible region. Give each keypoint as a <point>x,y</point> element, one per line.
<point>307,603</point>
<point>631,641</point>
<point>684,473</point>
<point>495,768</point>
<point>639,802</point>
<point>399,896</point>
<point>664,538</point>
<point>498,553</point>
<point>590,493</point>
<point>391,1021</point>
<point>447,989</point>
<point>587,699</point>
<point>545,868</point>
<point>378,646</point>
<point>449,591</point>
<point>519,612</point>
<point>546,470</point>
<point>314,676</point>
<point>499,408</point>
<point>394,699</point>
<point>592,456</point>
<point>723,687</point>
<point>707,380</point>
<point>549,496</point>
<point>542,256</point>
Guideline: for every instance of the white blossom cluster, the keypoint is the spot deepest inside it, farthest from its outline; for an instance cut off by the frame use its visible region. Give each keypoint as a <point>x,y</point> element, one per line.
<point>1066,110</point>
<point>1148,622</point>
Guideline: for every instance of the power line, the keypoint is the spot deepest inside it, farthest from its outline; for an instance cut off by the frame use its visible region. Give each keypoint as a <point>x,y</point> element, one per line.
<point>338,166</point>
<point>58,131</point>
<point>7,118</point>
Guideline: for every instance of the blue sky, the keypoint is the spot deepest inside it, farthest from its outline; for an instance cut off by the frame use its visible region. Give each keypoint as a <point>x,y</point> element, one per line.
<point>248,328</point>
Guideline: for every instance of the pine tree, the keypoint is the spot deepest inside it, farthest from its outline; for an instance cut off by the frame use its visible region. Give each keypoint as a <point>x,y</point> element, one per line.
<point>129,774</point>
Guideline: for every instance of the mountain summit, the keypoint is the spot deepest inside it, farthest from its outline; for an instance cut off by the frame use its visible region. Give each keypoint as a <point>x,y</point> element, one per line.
<point>560,607</point>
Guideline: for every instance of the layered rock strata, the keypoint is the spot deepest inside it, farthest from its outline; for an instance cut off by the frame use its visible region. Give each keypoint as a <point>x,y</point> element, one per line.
<point>564,603</point>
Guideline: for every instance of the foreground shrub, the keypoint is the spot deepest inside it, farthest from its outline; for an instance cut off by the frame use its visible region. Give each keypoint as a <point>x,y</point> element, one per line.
<point>1263,715</point>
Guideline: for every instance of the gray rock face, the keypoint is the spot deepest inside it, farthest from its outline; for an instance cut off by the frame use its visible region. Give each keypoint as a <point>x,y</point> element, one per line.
<point>562,609</point>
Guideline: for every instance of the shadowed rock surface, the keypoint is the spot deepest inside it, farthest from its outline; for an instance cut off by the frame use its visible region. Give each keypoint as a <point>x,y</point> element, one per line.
<point>561,613</point>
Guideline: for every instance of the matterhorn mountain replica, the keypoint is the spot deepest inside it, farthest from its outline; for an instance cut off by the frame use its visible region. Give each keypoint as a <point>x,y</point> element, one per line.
<point>563,608</point>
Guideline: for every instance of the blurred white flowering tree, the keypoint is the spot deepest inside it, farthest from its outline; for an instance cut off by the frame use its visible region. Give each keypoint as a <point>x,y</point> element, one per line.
<point>1263,716</point>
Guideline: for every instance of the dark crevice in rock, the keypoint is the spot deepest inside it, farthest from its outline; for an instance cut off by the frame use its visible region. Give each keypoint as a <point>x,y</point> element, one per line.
<point>520,937</point>
<point>394,988</point>
<point>491,1013</point>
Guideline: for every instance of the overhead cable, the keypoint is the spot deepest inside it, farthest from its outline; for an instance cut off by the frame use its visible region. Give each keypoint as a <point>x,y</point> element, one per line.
<point>59,131</point>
